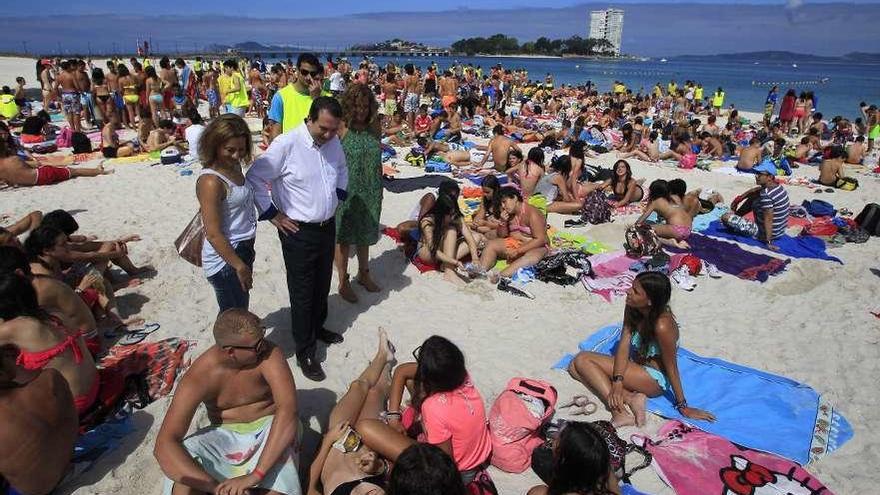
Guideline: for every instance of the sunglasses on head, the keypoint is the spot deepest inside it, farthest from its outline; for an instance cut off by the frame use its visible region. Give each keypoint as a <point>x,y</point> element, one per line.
<point>313,73</point>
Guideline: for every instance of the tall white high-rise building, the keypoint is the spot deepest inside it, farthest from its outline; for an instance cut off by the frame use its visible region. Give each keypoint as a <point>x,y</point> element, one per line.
<point>607,25</point>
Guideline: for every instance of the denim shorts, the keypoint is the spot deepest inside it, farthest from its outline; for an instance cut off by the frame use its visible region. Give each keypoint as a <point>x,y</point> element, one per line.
<point>227,288</point>
<point>742,226</point>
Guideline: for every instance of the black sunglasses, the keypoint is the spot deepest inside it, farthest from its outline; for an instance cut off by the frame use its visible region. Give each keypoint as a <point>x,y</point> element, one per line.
<point>254,348</point>
<point>310,73</point>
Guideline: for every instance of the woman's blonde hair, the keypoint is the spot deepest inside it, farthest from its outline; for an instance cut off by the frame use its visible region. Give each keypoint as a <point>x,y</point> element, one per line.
<point>360,110</point>
<point>220,130</point>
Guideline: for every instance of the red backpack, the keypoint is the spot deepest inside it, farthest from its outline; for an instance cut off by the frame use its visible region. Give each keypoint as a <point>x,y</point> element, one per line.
<point>514,427</point>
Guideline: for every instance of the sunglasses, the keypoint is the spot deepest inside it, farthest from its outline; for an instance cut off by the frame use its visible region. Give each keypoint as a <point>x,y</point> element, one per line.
<point>314,73</point>
<point>253,348</point>
<point>416,352</point>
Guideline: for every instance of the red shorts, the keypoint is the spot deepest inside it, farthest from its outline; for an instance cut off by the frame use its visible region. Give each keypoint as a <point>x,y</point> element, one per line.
<point>51,175</point>
<point>168,98</point>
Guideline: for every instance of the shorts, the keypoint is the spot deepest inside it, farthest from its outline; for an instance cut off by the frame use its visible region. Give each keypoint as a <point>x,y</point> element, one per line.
<point>681,232</point>
<point>768,110</point>
<point>658,377</point>
<point>110,152</point>
<point>240,111</point>
<point>213,99</point>
<point>71,103</point>
<point>47,175</point>
<point>511,244</point>
<point>157,99</point>
<point>117,99</point>
<point>411,103</point>
<point>167,98</point>
<point>390,106</point>
<point>742,226</point>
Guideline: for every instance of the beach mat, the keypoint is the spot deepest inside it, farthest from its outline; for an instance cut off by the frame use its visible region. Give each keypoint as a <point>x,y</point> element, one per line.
<point>795,247</point>
<point>732,259</point>
<point>414,183</point>
<point>753,408</point>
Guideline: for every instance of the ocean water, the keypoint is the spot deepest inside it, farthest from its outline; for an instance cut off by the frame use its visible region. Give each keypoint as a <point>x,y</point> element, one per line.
<point>745,83</point>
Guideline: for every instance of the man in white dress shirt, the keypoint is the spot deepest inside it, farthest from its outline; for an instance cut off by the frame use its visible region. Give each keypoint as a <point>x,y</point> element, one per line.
<point>298,184</point>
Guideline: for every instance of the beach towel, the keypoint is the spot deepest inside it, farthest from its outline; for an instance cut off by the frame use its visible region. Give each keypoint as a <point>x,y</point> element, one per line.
<point>694,462</point>
<point>55,160</point>
<point>403,185</point>
<point>161,362</point>
<point>753,408</point>
<point>478,179</point>
<point>128,160</point>
<point>231,450</point>
<point>568,240</point>
<point>795,247</point>
<point>701,222</point>
<point>94,444</point>
<point>732,259</point>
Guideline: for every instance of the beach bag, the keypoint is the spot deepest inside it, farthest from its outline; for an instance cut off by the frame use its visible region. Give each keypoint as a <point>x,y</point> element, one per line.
<point>688,161</point>
<point>65,138</point>
<point>640,241</point>
<point>618,449</point>
<point>189,242</point>
<point>847,183</point>
<point>595,209</point>
<point>515,422</point>
<point>80,143</point>
<point>42,149</point>
<point>869,218</point>
<point>819,208</point>
<point>170,155</point>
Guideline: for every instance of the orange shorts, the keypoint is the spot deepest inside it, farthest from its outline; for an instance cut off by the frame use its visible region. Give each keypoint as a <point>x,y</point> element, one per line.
<point>448,100</point>
<point>511,244</point>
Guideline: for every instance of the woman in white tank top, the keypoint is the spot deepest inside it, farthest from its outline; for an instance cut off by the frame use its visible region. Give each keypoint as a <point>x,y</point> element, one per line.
<point>228,212</point>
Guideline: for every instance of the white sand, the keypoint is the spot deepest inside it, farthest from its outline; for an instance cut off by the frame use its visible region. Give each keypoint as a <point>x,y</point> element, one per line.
<point>811,324</point>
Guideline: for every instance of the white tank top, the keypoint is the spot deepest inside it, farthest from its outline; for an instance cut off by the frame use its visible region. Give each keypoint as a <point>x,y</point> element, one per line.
<point>238,221</point>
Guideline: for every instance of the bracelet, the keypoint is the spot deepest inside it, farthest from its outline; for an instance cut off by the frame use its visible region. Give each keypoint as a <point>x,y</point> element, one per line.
<point>393,413</point>
<point>259,474</point>
<point>681,405</point>
<point>617,378</point>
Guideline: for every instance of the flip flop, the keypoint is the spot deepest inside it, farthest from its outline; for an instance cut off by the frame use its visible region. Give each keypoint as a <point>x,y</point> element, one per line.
<point>582,406</point>
<point>137,336</point>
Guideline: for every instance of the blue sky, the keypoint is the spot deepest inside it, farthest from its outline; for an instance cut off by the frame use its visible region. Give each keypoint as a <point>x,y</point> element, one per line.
<point>300,9</point>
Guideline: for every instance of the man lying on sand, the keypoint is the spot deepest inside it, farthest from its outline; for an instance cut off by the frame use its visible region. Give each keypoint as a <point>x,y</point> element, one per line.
<point>248,390</point>
<point>16,172</point>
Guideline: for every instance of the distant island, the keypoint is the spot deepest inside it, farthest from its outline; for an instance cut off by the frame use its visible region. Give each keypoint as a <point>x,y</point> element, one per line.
<point>500,44</point>
<point>781,56</point>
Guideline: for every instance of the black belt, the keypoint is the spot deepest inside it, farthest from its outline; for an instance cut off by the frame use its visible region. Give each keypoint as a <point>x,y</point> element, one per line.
<point>317,225</point>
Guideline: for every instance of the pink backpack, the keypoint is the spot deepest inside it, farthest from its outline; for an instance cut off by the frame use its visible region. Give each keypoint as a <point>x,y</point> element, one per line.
<point>65,138</point>
<point>514,425</point>
<point>688,161</point>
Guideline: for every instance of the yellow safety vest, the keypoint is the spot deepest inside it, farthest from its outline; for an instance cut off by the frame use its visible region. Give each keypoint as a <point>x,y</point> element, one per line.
<point>240,98</point>
<point>295,106</point>
<point>197,66</point>
<point>670,89</point>
<point>8,108</point>
<point>718,99</point>
<point>698,94</point>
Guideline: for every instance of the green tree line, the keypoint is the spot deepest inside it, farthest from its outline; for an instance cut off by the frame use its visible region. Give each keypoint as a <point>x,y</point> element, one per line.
<point>502,44</point>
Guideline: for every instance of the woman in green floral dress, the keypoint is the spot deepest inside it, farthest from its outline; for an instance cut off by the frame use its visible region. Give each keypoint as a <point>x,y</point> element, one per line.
<point>357,219</point>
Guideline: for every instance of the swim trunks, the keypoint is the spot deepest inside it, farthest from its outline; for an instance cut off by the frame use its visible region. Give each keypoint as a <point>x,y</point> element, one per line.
<point>411,103</point>
<point>110,152</point>
<point>390,106</point>
<point>213,100</point>
<point>47,175</point>
<point>70,102</point>
<point>511,244</point>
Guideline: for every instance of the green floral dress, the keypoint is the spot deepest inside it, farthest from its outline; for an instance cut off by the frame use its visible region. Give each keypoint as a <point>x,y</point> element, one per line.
<point>357,219</point>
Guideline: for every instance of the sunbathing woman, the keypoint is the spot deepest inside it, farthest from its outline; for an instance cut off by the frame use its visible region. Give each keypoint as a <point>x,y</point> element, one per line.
<point>445,239</point>
<point>647,151</point>
<point>407,227</point>
<point>344,465</point>
<point>448,407</point>
<point>522,236</point>
<point>552,191</point>
<point>645,363</point>
<point>678,224</point>
<point>42,341</point>
<point>624,189</point>
<point>487,219</point>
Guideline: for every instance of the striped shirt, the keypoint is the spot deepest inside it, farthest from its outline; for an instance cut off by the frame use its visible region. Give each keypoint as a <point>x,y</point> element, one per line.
<point>775,200</point>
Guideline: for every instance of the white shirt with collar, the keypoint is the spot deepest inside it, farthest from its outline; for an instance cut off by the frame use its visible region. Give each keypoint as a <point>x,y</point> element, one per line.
<point>298,177</point>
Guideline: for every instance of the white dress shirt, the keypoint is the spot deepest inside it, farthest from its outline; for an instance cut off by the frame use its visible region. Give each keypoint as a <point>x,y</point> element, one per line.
<point>298,177</point>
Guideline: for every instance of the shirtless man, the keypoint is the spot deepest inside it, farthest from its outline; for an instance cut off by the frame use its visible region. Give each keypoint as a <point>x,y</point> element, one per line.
<point>412,88</point>
<point>448,90</point>
<point>832,169</point>
<point>750,155</point>
<point>16,172</point>
<point>499,147</point>
<point>711,145</point>
<point>38,426</point>
<point>168,75</point>
<point>85,88</point>
<point>250,396</point>
<point>855,154</point>
<point>67,85</point>
<point>389,89</point>
<point>112,147</point>
<point>711,127</point>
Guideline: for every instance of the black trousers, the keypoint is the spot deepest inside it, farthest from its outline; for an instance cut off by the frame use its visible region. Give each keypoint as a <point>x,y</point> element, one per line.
<point>308,259</point>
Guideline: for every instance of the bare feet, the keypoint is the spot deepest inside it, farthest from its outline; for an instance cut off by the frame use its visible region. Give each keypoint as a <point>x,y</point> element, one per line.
<point>621,419</point>
<point>103,171</point>
<point>450,276</point>
<point>346,292</point>
<point>385,345</point>
<point>367,282</point>
<point>128,284</point>
<point>638,403</point>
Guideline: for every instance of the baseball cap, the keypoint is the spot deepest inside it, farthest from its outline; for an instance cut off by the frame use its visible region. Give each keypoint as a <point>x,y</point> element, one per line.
<point>765,167</point>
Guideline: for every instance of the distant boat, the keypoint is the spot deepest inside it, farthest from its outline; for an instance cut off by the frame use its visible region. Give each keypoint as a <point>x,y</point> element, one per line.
<point>663,60</point>
<point>757,63</point>
<point>794,65</point>
<point>577,66</point>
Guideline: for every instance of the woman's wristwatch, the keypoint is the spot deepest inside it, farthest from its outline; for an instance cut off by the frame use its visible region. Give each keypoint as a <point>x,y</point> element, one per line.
<point>617,378</point>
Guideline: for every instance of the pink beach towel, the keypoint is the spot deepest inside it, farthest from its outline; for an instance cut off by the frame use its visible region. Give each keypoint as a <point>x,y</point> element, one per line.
<point>694,462</point>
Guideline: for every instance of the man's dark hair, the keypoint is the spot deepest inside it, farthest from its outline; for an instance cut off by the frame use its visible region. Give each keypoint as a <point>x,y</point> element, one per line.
<point>39,240</point>
<point>327,103</point>
<point>308,58</point>
<point>12,259</point>
<point>498,130</point>
<point>61,220</point>
<point>231,64</point>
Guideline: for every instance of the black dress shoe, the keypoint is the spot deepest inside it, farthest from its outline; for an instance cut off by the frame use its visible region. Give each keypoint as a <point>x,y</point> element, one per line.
<point>311,368</point>
<point>329,337</point>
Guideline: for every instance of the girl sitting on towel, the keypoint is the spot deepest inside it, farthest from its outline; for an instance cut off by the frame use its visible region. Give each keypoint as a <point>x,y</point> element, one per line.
<point>445,239</point>
<point>645,361</point>
<point>487,219</point>
<point>678,224</point>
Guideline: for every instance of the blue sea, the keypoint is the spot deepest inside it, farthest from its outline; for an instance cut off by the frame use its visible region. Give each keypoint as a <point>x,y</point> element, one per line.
<point>745,83</point>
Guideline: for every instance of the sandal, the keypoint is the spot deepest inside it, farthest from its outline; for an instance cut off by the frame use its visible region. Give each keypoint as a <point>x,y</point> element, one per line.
<point>583,406</point>
<point>137,336</point>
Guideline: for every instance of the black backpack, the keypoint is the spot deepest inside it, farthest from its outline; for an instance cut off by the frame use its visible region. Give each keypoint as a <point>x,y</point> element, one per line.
<point>81,143</point>
<point>869,218</point>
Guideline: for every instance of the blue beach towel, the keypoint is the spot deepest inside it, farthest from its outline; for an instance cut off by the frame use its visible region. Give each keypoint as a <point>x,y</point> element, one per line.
<point>796,247</point>
<point>753,408</point>
<point>478,179</point>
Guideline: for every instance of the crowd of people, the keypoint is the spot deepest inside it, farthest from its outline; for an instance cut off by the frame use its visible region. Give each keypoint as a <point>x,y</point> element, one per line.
<point>316,175</point>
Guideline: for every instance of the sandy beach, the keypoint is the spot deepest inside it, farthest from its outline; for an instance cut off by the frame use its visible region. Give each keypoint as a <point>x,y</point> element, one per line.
<point>811,324</point>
